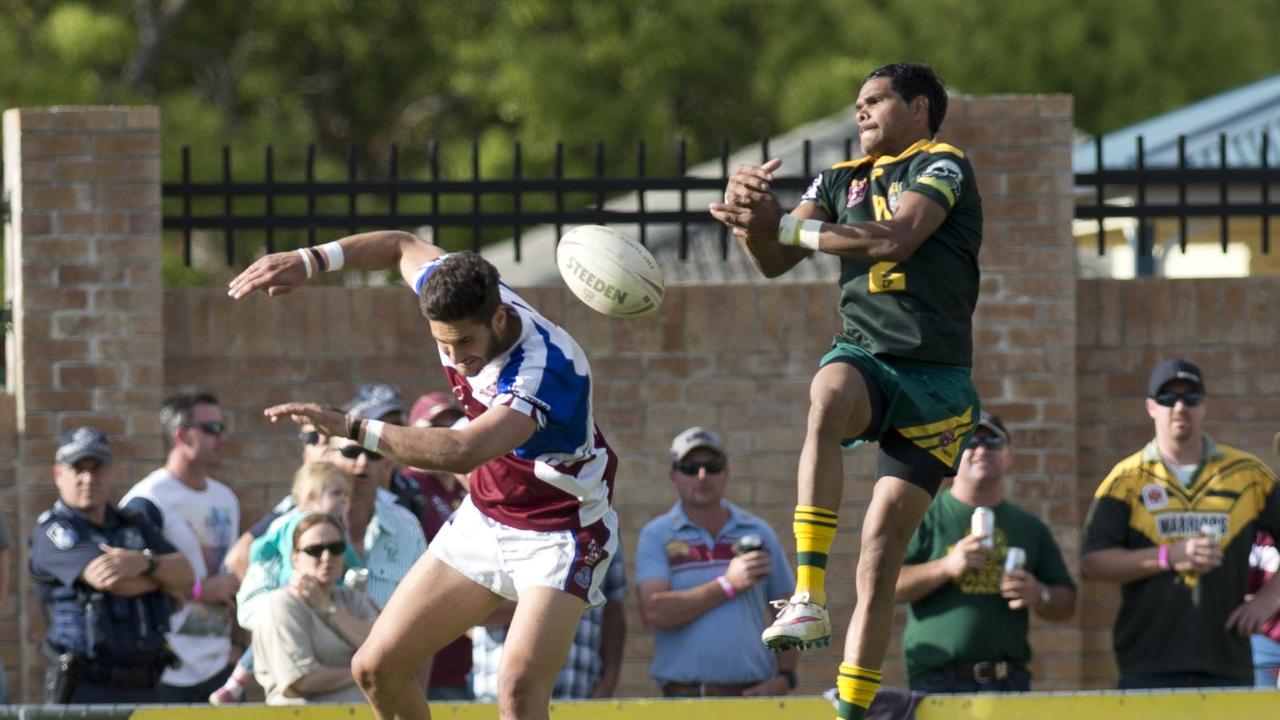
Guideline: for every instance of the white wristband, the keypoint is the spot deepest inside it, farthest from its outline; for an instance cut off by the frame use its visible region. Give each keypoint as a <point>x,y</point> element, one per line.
<point>333,252</point>
<point>799,233</point>
<point>306,261</point>
<point>372,434</point>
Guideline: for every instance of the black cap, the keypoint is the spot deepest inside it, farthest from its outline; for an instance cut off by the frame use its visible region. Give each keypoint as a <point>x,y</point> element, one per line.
<point>992,422</point>
<point>81,443</point>
<point>1174,369</point>
<point>376,400</point>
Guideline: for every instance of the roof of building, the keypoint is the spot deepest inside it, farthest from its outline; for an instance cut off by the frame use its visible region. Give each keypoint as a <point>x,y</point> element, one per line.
<point>1244,115</point>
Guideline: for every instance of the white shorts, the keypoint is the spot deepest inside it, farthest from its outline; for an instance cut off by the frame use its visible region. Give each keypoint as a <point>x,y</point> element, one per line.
<point>506,560</point>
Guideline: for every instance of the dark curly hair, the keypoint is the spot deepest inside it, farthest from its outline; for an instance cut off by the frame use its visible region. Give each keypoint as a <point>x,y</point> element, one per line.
<point>911,80</point>
<point>464,286</point>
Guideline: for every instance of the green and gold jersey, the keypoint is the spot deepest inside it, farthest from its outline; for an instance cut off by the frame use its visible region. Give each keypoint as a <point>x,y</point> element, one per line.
<point>1171,622</point>
<point>966,620</point>
<point>920,309</point>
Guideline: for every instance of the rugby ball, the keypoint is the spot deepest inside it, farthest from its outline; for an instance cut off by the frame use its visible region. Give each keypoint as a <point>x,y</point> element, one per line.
<point>610,272</point>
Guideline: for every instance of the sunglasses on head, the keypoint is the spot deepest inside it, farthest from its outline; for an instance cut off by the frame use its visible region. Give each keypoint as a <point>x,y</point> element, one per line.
<point>213,427</point>
<point>1169,398</point>
<point>351,452</point>
<point>990,442</point>
<point>311,437</point>
<point>316,551</point>
<point>691,467</point>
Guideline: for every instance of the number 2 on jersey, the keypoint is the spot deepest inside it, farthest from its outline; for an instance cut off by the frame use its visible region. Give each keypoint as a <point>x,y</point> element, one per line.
<point>883,277</point>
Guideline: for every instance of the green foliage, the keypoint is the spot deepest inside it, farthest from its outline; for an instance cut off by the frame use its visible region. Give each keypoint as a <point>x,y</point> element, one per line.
<point>356,76</point>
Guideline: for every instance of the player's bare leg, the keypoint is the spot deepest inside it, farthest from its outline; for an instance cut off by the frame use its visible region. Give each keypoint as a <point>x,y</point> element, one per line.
<point>896,509</point>
<point>433,605</point>
<point>537,644</point>
<point>838,409</point>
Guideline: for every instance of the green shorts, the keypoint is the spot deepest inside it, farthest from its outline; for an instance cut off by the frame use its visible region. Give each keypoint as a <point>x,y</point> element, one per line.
<point>932,406</point>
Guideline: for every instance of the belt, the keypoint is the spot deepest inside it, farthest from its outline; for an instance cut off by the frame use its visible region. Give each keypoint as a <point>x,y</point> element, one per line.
<point>126,678</point>
<point>980,672</point>
<point>676,689</point>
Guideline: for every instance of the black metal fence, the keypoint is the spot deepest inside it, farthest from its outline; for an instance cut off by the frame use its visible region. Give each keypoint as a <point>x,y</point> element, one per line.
<point>511,204</point>
<point>475,208</point>
<point>1140,182</point>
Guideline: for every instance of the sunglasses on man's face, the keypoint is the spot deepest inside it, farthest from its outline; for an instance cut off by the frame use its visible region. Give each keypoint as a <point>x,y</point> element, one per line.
<point>212,427</point>
<point>351,452</point>
<point>334,548</point>
<point>691,467</point>
<point>990,442</point>
<point>311,437</point>
<point>1169,398</point>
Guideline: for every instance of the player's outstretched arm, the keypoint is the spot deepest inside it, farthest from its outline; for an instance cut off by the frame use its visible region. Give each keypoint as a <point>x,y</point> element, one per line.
<point>282,272</point>
<point>497,431</point>
<point>894,240</point>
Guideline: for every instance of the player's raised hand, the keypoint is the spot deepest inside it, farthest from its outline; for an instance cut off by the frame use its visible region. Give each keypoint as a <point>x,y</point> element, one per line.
<point>750,183</point>
<point>330,422</point>
<point>275,274</point>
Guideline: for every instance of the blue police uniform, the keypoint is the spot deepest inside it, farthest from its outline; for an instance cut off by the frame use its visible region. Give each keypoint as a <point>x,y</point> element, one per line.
<point>111,649</point>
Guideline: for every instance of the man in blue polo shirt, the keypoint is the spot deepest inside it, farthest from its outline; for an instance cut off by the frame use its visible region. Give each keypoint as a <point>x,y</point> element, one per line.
<point>705,571</point>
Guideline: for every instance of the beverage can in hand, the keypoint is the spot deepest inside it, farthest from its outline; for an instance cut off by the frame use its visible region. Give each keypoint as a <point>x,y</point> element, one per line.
<point>984,523</point>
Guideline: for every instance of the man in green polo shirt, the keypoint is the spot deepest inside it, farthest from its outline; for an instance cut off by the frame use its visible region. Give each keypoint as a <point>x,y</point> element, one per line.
<point>969,613</point>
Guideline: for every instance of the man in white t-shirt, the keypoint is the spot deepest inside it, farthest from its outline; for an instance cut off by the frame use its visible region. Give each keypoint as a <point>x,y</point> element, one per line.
<point>201,518</point>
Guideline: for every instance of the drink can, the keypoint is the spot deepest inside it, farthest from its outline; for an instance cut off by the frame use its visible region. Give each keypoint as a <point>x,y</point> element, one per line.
<point>748,543</point>
<point>356,578</point>
<point>984,523</point>
<point>1015,558</point>
<point>1209,530</point>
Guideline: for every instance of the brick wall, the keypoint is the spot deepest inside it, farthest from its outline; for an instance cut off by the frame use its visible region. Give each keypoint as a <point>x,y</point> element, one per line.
<point>83,273</point>
<point>737,358</point>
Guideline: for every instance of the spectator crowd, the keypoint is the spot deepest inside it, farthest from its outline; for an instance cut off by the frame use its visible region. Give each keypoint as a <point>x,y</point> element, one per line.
<point>160,598</point>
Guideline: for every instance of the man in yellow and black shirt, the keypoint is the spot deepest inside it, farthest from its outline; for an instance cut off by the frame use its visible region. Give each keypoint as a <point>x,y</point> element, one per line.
<point>1173,524</point>
<point>906,222</point>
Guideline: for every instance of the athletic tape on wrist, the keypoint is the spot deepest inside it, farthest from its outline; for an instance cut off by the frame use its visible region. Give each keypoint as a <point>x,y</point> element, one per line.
<point>306,261</point>
<point>809,234</point>
<point>799,233</point>
<point>333,252</point>
<point>789,230</point>
<point>372,434</point>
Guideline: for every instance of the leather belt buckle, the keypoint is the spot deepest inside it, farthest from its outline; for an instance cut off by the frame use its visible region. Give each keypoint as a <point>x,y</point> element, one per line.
<point>985,672</point>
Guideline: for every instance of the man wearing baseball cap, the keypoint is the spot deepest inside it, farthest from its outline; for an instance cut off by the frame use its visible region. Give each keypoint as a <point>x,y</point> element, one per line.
<point>1173,526</point>
<point>104,576</point>
<point>705,571</point>
<point>970,608</point>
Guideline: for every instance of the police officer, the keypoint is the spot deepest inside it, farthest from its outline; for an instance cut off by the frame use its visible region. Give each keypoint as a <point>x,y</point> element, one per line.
<point>104,576</point>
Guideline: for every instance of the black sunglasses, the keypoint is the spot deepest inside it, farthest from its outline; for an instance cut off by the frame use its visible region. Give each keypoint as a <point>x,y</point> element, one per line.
<point>691,467</point>
<point>351,452</point>
<point>311,437</point>
<point>1169,398</point>
<point>213,427</point>
<point>990,442</point>
<point>335,549</point>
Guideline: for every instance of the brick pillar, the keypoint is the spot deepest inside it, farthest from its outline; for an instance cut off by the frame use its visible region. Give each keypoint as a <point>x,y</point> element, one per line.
<point>83,276</point>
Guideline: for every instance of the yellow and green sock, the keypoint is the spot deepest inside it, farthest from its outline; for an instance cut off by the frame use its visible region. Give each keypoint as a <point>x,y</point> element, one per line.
<point>857,687</point>
<point>815,530</point>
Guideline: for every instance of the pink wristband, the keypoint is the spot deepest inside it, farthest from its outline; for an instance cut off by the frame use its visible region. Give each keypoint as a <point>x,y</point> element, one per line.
<point>727,587</point>
<point>1162,556</point>
<point>196,591</point>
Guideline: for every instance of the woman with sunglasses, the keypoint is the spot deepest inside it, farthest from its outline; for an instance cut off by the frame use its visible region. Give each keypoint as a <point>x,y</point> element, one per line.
<point>308,631</point>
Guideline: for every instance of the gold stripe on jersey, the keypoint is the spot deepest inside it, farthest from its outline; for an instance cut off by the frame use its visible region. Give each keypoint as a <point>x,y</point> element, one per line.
<point>941,439</point>
<point>940,187</point>
<point>929,146</point>
<point>852,163</point>
<point>1227,494</point>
